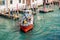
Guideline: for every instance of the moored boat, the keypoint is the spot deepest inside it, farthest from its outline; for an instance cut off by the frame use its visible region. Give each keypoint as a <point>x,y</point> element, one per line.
<point>26,23</point>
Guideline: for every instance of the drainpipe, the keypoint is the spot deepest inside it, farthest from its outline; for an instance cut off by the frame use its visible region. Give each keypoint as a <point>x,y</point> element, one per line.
<point>44,4</point>
<point>59,3</point>
<point>17,9</point>
<point>7,4</point>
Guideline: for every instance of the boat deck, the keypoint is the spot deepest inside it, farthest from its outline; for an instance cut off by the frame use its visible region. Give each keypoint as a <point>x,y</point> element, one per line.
<point>46,10</point>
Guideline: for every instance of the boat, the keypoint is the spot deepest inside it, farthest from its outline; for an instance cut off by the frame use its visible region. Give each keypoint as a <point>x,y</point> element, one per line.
<point>26,23</point>
<point>9,14</point>
<point>44,9</point>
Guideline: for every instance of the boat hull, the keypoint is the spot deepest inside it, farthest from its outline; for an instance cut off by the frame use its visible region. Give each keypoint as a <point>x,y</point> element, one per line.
<point>26,28</point>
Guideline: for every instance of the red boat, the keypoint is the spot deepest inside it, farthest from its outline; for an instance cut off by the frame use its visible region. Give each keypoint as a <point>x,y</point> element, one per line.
<point>27,28</point>
<point>27,25</point>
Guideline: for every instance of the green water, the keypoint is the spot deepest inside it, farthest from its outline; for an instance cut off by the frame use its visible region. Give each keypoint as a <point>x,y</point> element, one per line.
<point>46,27</point>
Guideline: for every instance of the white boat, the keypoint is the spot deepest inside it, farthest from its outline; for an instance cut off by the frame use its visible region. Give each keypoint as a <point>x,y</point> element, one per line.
<point>26,23</point>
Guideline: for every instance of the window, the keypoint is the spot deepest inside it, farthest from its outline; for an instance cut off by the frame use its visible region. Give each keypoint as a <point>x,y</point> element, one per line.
<point>11,2</point>
<point>23,1</point>
<point>32,0</point>
<point>2,2</point>
<point>19,1</point>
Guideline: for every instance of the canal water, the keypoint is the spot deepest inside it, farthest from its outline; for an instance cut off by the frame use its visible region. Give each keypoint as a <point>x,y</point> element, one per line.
<point>46,27</point>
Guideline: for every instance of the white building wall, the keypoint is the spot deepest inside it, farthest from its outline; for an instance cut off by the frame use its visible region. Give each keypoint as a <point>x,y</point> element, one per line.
<point>15,4</point>
<point>20,5</point>
<point>2,6</point>
<point>39,2</point>
<point>11,6</point>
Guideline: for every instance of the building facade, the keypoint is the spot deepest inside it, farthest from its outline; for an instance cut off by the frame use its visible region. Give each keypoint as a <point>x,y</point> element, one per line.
<point>49,1</point>
<point>13,4</point>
